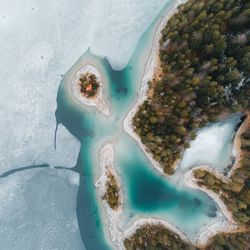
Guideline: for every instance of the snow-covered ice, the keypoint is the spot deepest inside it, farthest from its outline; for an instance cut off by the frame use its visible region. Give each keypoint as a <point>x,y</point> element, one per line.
<point>212,146</point>
<point>38,210</point>
<point>40,41</point>
<point>119,25</point>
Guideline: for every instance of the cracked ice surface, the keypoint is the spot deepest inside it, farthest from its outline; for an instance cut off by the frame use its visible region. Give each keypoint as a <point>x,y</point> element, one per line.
<point>35,145</point>
<point>40,41</point>
<point>38,210</point>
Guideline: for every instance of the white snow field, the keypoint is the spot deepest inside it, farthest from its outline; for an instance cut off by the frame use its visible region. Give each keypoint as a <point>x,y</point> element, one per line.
<point>212,147</point>
<point>40,41</point>
<point>38,210</point>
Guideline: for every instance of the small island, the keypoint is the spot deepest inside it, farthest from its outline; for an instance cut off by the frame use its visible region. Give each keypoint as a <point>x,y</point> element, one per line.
<point>89,85</point>
<point>202,76</point>
<point>204,60</point>
<point>112,194</point>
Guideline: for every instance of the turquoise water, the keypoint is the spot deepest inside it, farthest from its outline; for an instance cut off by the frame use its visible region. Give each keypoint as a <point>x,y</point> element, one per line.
<point>149,194</point>
<point>146,192</point>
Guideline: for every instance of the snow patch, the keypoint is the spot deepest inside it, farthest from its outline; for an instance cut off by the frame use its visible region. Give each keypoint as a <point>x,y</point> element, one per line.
<point>213,146</point>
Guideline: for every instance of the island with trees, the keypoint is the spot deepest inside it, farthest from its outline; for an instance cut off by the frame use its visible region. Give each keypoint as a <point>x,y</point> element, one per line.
<point>89,85</point>
<point>205,67</point>
<point>112,194</point>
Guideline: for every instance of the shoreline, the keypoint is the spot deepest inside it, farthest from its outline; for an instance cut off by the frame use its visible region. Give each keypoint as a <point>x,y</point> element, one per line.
<point>106,153</point>
<point>98,100</point>
<point>117,236</point>
<point>205,234</point>
<point>188,179</point>
<point>228,226</point>
<point>106,160</point>
<point>107,166</point>
<point>149,73</point>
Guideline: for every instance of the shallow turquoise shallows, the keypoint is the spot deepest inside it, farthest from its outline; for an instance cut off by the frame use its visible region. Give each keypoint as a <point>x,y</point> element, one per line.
<point>146,192</point>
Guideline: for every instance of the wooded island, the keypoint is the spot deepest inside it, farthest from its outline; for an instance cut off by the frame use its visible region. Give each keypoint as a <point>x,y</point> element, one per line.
<point>89,85</point>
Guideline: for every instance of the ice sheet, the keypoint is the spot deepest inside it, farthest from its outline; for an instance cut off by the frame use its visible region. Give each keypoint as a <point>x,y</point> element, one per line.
<point>40,41</point>
<point>119,25</point>
<point>38,210</point>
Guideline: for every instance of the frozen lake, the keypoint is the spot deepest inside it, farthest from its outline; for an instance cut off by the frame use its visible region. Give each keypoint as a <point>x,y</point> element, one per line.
<point>49,208</point>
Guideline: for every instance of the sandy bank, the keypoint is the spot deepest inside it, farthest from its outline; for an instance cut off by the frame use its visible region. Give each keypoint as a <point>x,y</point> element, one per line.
<point>107,154</point>
<point>220,226</point>
<point>96,101</point>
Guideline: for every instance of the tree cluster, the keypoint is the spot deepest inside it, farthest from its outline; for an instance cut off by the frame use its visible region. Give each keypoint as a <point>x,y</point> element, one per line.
<point>234,241</point>
<point>158,237</point>
<point>89,84</point>
<point>205,61</point>
<point>236,191</point>
<point>112,194</point>
<point>151,237</point>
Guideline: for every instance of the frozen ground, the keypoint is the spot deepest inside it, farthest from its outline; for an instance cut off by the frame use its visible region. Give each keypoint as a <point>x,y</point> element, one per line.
<point>38,210</point>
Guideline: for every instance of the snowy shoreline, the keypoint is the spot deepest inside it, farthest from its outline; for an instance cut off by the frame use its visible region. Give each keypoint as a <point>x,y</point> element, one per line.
<point>205,233</point>
<point>220,226</point>
<point>107,155</point>
<point>106,159</point>
<point>237,144</point>
<point>149,72</point>
<point>97,101</point>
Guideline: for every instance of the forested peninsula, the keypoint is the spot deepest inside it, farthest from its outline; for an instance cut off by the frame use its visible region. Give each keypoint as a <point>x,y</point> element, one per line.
<point>205,67</point>
<point>203,75</point>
